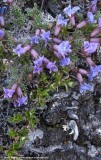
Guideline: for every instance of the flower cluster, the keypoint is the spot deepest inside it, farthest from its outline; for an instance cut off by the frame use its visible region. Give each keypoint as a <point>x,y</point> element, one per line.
<point>62,49</point>
<point>40,35</point>
<point>44,62</point>
<point>16,94</point>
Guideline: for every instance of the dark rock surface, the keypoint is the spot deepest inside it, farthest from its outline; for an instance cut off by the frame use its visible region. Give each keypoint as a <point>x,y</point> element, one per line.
<point>57,144</point>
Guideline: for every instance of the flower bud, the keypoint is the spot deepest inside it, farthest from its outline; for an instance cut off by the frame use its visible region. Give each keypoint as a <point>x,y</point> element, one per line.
<point>90,61</point>
<point>2,22</point>
<point>29,77</point>
<point>72,20</point>
<point>14,87</point>
<point>14,97</point>
<point>82,71</point>
<point>57,30</point>
<point>34,54</point>
<point>57,40</point>
<point>19,92</point>
<point>27,48</point>
<point>81,24</point>
<point>42,30</point>
<point>95,32</point>
<point>79,77</point>
<point>55,47</point>
<point>95,40</point>
<point>57,54</point>
<point>37,32</point>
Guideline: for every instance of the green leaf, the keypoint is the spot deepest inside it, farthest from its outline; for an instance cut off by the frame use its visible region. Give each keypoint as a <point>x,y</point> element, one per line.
<point>70,84</point>
<point>1,148</point>
<point>17,145</point>
<point>12,133</point>
<point>43,77</point>
<point>17,118</point>
<point>66,86</point>
<point>10,153</point>
<point>23,132</point>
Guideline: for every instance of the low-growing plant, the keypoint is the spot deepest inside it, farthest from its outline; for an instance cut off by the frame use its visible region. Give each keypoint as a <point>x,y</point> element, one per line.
<point>48,61</point>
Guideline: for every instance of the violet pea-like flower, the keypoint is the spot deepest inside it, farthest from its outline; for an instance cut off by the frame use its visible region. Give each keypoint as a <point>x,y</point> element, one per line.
<point>90,47</point>
<point>59,24</point>
<point>20,101</point>
<point>19,50</point>
<point>34,39</point>
<point>85,87</point>
<point>38,65</point>
<point>61,21</point>
<point>46,36</point>
<point>65,61</point>
<point>39,61</point>
<point>90,18</point>
<point>93,6</point>
<point>8,93</point>
<point>94,71</point>
<point>37,69</point>
<point>52,67</point>
<point>71,11</point>
<point>64,48</point>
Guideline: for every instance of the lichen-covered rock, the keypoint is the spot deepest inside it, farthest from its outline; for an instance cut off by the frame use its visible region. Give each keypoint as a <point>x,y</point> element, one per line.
<point>58,143</point>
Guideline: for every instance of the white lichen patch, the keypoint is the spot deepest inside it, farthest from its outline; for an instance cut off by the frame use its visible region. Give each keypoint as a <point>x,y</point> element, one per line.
<point>74,129</point>
<point>47,18</point>
<point>33,135</point>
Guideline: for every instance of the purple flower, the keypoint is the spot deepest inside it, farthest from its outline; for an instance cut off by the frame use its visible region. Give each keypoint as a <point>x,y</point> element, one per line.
<point>37,69</point>
<point>34,39</point>
<point>20,101</point>
<point>85,87</point>
<point>4,0</point>
<point>65,61</point>
<point>64,48</point>
<point>39,61</point>
<point>94,6</point>
<point>45,60</point>
<point>19,50</point>
<point>52,67</point>
<point>70,11</point>
<point>90,47</point>
<point>8,93</point>
<point>94,71</point>
<point>2,33</point>
<point>46,36</point>
<point>61,21</point>
<point>38,65</point>
<point>90,17</point>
